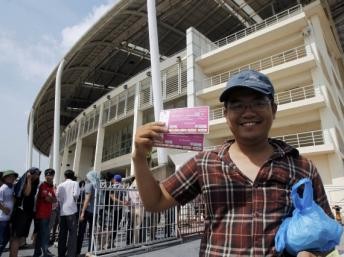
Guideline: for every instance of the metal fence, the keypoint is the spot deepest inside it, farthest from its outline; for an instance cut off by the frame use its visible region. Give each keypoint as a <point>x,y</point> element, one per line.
<point>121,223</point>
<point>262,64</point>
<point>259,26</point>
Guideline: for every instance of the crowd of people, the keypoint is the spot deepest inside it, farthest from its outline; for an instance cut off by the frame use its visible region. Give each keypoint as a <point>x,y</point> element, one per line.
<point>26,201</point>
<point>61,214</point>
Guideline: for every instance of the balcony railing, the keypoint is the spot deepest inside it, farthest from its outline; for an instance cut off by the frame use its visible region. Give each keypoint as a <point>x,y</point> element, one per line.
<point>256,27</point>
<point>216,114</point>
<point>266,63</point>
<point>173,84</point>
<point>310,138</point>
<point>116,150</point>
<point>293,95</point>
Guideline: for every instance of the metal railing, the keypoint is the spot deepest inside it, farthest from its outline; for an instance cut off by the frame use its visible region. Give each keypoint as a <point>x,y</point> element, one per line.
<point>335,196</point>
<point>173,84</point>
<point>309,138</point>
<point>121,222</point>
<point>111,151</point>
<point>217,113</point>
<point>288,96</point>
<point>256,27</point>
<point>274,60</point>
<point>296,94</point>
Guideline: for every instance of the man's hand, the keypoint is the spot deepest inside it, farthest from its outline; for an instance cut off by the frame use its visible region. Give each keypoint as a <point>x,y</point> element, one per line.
<point>146,135</point>
<point>28,176</point>
<point>82,216</point>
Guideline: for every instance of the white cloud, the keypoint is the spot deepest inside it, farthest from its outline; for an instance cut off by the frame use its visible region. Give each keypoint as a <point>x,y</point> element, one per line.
<point>35,60</point>
<point>32,60</point>
<point>70,35</point>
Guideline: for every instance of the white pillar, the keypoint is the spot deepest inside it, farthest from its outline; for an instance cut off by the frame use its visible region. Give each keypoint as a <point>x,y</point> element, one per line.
<point>77,153</point>
<point>100,142</point>
<point>30,141</point>
<point>56,138</point>
<point>64,164</point>
<point>138,115</point>
<point>155,70</point>
<point>196,43</point>
<point>51,154</point>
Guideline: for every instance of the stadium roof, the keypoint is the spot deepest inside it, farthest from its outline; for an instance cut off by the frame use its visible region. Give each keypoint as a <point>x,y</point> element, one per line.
<point>116,48</point>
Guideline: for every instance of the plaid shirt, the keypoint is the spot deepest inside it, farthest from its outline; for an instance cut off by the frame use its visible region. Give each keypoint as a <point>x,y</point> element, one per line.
<point>242,217</point>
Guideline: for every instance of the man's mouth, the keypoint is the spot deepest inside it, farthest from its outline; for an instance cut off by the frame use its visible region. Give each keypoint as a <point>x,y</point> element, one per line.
<point>249,123</point>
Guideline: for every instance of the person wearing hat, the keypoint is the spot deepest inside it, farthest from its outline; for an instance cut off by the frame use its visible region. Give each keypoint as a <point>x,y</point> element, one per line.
<point>67,196</point>
<point>246,182</point>
<point>117,200</point>
<point>6,206</point>
<point>44,200</point>
<point>23,212</point>
<point>86,209</point>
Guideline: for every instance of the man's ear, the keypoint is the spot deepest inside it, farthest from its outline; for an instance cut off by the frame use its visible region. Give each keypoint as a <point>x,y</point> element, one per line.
<point>224,111</point>
<point>274,110</point>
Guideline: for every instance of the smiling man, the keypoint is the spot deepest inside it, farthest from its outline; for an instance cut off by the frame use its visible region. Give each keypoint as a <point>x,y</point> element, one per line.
<point>246,182</point>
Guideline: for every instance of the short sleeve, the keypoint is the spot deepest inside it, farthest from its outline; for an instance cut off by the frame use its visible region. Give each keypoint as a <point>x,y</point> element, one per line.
<point>2,190</point>
<point>88,188</point>
<point>183,185</point>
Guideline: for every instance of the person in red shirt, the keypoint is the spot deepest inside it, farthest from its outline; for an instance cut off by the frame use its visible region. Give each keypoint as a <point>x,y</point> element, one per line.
<point>45,198</point>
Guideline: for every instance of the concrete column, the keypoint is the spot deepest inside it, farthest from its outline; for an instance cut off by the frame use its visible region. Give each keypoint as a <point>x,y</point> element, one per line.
<point>138,116</point>
<point>30,141</point>
<point>77,153</point>
<point>56,137</point>
<point>63,165</point>
<point>100,142</point>
<point>51,154</point>
<point>155,70</point>
<point>196,43</point>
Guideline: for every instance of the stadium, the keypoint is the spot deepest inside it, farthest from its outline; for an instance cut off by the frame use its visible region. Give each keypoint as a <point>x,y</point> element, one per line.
<point>106,88</point>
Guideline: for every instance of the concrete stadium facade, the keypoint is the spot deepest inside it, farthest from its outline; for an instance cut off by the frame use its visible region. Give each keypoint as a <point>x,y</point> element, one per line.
<point>297,48</point>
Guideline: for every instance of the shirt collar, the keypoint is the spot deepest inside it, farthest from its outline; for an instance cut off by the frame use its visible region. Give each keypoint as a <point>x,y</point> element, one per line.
<point>281,149</point>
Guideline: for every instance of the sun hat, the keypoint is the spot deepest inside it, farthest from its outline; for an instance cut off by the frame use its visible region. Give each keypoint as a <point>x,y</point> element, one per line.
<point>249,79</point>
<point>8,173</point>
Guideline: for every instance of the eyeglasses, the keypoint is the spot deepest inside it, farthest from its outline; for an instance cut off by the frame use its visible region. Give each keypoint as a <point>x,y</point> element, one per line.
<point>255,105</point>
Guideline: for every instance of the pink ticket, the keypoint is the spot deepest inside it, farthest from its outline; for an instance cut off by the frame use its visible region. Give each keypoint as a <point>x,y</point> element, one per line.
<point>192,142</point>
<point>190,120</point>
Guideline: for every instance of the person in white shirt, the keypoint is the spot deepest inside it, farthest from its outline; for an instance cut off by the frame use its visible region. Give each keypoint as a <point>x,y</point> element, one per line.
<point>67,195</point>
<point>137,213</point>
<point>6,206</point>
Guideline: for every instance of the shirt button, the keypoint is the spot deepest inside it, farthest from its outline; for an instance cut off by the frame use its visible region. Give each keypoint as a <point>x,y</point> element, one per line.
<point>256,214</point>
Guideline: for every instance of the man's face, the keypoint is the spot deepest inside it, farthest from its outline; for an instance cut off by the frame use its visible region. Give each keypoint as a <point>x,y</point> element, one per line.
<point>249,115</point>
<point>49,178</point>
<point>35,175</point>
<point>9,179</point>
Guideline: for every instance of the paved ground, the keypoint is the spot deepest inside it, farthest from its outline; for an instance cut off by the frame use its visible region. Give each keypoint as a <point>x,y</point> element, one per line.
<point>187,249</point>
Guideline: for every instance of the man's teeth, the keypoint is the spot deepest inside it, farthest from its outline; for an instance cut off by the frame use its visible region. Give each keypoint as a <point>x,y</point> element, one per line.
<point>249,124</point>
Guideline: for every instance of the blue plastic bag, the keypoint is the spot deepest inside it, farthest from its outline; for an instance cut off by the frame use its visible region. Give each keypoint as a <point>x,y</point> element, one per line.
<point>309,228</point>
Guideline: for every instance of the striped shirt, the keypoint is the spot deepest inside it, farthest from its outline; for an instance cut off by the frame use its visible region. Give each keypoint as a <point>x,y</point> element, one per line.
<point>242,217</point>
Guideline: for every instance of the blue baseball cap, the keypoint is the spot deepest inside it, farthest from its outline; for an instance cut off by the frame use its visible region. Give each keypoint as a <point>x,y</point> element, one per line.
<point>117,178</point>
<point>249,79</point>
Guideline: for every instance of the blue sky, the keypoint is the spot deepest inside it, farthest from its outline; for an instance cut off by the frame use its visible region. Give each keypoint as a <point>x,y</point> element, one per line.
<point>34,36</point>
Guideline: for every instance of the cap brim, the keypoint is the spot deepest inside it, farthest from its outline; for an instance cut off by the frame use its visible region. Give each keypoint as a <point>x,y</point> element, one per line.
<point>226,92</point>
